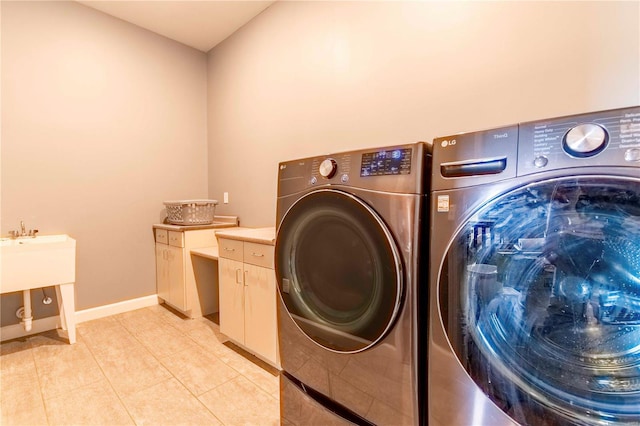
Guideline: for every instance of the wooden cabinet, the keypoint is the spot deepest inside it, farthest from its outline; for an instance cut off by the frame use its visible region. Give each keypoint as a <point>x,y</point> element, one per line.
<point>175,277</point>
<point>231,298</point>
<point>260,323</point>
<point>162,271</point>
<point>248,296</point>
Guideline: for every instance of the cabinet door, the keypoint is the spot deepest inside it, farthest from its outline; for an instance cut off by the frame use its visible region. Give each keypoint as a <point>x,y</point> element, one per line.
<point>260,310</point>
<point>231,299</point>
<point>162,271</point>
<point>177,295</point>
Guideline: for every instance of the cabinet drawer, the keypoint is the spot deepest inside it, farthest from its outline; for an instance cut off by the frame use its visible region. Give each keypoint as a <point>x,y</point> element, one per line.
<point>175,239</point>
<point>230,249</point>
<point>162,236</point>
<point>258,254</point>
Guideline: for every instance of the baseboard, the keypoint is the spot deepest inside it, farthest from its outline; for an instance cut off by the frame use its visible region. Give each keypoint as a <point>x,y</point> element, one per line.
<point>15,331</point>
<point>115,308</point>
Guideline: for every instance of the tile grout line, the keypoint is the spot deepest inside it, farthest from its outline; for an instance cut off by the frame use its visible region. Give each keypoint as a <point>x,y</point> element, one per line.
<point>260,388</point>
<point>189,390</point>
<point>235,369</point>
<point>35,365</point>
<point>133,335</point>
<point>159,360</point>
<point>111,384</point>
<point>159,319</point>
<point>127,330</point>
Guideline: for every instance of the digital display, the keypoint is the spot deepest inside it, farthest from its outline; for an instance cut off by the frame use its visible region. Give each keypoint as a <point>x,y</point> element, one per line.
<point>387,162</point>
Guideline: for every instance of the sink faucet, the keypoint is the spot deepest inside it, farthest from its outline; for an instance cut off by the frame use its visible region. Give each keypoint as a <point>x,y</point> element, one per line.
<point>23,232</point>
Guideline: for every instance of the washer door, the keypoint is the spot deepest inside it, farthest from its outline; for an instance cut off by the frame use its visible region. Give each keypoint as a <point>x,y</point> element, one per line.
<point>540,294</point>
<point>338,270</point>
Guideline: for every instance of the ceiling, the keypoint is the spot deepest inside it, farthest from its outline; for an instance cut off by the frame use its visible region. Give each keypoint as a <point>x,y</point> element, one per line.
<point>196,23</point>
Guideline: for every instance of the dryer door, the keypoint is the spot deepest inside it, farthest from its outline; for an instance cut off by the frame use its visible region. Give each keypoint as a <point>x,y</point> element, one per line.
<point>338,271</point>
<point>540,294</point>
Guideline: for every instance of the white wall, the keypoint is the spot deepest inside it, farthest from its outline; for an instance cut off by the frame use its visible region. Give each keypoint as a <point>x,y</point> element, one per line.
<point>307,78</point>
<point>101,122</point>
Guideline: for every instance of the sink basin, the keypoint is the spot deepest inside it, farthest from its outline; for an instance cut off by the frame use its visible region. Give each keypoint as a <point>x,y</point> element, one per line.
<point>42,261</point>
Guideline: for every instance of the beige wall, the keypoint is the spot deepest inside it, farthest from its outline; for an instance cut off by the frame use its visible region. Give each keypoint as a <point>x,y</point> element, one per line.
<point>101,122</point>
<point>306,78</point>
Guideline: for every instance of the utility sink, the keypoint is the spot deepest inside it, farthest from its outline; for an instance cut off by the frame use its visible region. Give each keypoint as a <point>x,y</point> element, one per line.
<point>40,261</point>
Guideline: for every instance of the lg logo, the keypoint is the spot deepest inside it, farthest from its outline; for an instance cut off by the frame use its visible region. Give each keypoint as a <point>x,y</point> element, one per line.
<point>446,143</point>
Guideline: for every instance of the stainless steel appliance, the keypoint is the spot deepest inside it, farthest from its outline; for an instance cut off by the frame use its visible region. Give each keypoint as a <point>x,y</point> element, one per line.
<point>348,254</point>
<point>535,280</point>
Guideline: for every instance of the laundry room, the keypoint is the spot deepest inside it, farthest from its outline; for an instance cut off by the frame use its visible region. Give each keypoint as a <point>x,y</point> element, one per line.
<point>109,112</point>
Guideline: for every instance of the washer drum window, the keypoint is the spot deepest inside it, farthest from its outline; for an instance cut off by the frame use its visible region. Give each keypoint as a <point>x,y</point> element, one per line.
<point>540,294</point>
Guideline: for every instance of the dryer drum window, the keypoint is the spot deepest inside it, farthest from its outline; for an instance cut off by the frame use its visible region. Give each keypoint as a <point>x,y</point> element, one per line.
<point>541,293</point>
<point>338,271</point>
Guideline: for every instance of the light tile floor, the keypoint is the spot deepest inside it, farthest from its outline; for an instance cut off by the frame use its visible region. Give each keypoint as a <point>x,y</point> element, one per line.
<point>151,366</point>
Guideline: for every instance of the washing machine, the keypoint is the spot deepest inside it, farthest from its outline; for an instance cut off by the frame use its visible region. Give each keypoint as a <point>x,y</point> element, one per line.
<point>348,256</point>
<point>535,282</point>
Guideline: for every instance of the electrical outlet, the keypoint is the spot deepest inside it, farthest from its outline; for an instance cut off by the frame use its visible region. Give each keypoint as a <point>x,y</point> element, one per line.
<point>225,198</point>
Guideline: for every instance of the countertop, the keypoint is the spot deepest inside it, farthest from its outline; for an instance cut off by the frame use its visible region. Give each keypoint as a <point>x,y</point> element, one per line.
<point>207,252</point>
<point>253,235</point>
<point>218,222</point>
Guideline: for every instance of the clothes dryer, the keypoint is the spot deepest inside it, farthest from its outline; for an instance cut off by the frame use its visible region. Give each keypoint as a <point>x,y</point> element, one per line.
<point>535,281</point>
<point>348,259</point>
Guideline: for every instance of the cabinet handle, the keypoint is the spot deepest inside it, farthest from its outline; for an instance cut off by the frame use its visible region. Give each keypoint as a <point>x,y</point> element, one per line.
<point>238,277</point>
<point>244,275</point>
<point>257,254</point>
<point>229,249</point>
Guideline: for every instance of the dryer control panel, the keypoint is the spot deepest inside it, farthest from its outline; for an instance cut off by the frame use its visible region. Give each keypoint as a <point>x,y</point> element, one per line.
<point>386,162</point>
<point>399,169</point>
<point>607,138</point>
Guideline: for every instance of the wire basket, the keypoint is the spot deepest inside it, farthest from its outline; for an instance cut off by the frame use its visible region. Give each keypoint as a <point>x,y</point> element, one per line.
<point>190,212</point>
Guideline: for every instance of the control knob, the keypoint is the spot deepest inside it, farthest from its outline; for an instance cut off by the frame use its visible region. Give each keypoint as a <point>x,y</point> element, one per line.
<point>328,168</point>
<point>585,140</point>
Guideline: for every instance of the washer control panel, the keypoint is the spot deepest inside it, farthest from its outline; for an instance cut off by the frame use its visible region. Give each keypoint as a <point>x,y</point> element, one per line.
<point>607,138</point>
<point>585,140</point>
